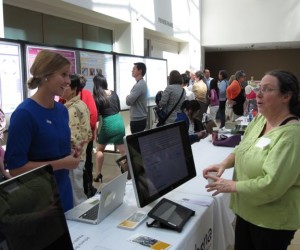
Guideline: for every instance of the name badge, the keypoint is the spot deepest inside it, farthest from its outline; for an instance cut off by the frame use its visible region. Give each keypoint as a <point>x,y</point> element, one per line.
<point>263,142</point>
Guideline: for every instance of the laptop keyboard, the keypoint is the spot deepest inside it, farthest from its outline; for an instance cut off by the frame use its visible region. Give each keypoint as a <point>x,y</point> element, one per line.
<point>91,214</point>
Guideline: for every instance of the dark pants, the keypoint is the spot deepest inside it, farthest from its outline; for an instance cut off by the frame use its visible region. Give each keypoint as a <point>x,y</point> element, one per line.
<point>252,237</point>
<point>88,170</point>
<point>138,126</point>
<point>203,109</point>
<point>222,113</point>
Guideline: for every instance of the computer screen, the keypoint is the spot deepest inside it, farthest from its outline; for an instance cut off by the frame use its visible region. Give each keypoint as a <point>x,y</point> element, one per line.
<point>159,160</point>
<point>31,216</point>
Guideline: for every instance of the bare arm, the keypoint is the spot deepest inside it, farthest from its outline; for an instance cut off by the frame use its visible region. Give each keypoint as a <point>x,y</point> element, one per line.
<point>69,162</point>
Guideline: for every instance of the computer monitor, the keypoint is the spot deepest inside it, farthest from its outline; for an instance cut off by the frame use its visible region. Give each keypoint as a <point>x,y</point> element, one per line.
<point>31,216</point>
<point>159,160</point>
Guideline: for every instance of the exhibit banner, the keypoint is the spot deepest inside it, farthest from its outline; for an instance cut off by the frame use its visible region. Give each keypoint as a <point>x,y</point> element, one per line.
<point>11,87</point>
<point>93,63</point>
<point>32,51</point>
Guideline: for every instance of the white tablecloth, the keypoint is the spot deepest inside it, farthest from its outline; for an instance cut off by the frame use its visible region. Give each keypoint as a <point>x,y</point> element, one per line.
<point>210,228</point>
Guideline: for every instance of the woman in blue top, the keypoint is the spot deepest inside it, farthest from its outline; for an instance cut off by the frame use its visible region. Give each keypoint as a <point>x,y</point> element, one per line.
<point>39,132</point>
<point>190,110</point>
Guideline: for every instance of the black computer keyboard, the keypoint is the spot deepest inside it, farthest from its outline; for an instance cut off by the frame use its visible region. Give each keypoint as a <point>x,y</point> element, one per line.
<point>91,214</point>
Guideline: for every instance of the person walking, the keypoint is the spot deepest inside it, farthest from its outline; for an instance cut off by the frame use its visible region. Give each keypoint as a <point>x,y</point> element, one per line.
<point>112,128</point>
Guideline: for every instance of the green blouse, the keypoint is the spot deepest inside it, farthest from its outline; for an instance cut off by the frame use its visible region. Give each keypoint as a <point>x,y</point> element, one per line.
<point>267,169</point>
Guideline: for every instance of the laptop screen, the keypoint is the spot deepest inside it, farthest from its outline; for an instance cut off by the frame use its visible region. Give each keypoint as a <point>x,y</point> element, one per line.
<point>160,160</point>
<point>31,216</point>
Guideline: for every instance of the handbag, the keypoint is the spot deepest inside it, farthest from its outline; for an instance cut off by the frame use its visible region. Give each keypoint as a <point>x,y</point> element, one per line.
<point>162,114</point>
<point>123,165</point>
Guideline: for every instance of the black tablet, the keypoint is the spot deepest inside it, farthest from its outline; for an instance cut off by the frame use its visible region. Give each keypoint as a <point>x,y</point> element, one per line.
<point>169,214</point>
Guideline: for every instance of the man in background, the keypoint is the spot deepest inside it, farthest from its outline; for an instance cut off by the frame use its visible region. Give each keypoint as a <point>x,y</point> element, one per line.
<point>137,99</point>
<point>207,77</point>
<point>192,79</point>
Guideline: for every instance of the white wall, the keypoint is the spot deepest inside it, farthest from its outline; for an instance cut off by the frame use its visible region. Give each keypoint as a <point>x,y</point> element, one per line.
<point>177,21</point>
<point>250,21</point>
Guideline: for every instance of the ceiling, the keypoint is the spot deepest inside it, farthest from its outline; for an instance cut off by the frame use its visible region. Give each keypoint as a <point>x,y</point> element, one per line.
<point>253,46</point>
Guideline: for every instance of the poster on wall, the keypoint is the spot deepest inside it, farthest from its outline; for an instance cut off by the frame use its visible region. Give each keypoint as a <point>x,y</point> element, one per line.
<point>92,63</point>
<point>125,81</point>
<point>156,77</point>
<point>11,88</point>
<point>32,51</point>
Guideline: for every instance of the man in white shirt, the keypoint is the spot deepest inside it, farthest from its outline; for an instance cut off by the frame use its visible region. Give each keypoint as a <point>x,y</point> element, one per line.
<point>207,77</point>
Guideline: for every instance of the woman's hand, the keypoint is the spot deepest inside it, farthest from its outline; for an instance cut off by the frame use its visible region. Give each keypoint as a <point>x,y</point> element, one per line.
<point>78,148</point>
<point>220,185</point>
<point>202,134</point>
<point>219,168</point>
<point>228,162</point>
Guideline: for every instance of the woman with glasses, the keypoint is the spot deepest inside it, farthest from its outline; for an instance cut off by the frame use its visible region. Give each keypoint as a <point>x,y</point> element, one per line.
<point>265,189</point>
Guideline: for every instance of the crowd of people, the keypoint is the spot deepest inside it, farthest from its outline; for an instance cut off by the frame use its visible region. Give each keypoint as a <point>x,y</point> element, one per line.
<point>220,99</point>
<point>266,183</point>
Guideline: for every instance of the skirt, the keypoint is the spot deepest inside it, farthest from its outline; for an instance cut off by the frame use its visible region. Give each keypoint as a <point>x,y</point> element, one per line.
<point>112,130</point>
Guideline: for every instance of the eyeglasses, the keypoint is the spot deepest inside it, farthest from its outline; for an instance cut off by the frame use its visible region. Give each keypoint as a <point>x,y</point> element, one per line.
<point>263,90</point>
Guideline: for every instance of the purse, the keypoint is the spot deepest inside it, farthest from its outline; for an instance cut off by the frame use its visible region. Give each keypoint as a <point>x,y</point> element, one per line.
<point>123,165</point>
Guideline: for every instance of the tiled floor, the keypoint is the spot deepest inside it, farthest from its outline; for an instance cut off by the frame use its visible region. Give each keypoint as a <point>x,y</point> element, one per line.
<point>295,244</point>
<point>109,170</point>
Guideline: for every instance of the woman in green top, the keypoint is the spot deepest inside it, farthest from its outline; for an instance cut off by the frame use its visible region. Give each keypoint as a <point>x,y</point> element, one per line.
<point>266,182</point>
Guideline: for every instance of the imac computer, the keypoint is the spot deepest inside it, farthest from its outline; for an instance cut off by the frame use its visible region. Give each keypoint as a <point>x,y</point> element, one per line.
<point>159,160</point>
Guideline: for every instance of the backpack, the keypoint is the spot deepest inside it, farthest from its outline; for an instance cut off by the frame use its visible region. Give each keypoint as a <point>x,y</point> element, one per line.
<point>158,97</point>
<point>160,113</point>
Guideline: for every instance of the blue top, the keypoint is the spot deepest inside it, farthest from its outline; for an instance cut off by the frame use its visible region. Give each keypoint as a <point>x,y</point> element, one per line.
<point>222,90</point>
<point>183,117</point>
<point>40,134</point>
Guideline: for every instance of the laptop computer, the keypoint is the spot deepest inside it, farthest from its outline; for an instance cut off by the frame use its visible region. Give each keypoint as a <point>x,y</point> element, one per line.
<point>96,208</point>
<point>31,215</point>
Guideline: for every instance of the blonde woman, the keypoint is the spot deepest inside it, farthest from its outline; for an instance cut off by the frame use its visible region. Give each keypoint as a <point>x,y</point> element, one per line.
<point>39,130</point>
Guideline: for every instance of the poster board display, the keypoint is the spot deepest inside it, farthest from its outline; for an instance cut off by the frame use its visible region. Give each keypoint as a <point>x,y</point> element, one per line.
<point>32,51</point>
<point>11,87</point>
<point>91,63</point>
<point>156,77</point>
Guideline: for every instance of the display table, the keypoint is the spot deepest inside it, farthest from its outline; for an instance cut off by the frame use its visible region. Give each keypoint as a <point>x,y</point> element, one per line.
<point>210,228</point>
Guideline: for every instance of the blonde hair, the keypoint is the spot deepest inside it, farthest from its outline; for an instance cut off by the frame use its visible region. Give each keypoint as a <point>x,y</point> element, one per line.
<point>46,63</point>
<point>231,78</point>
